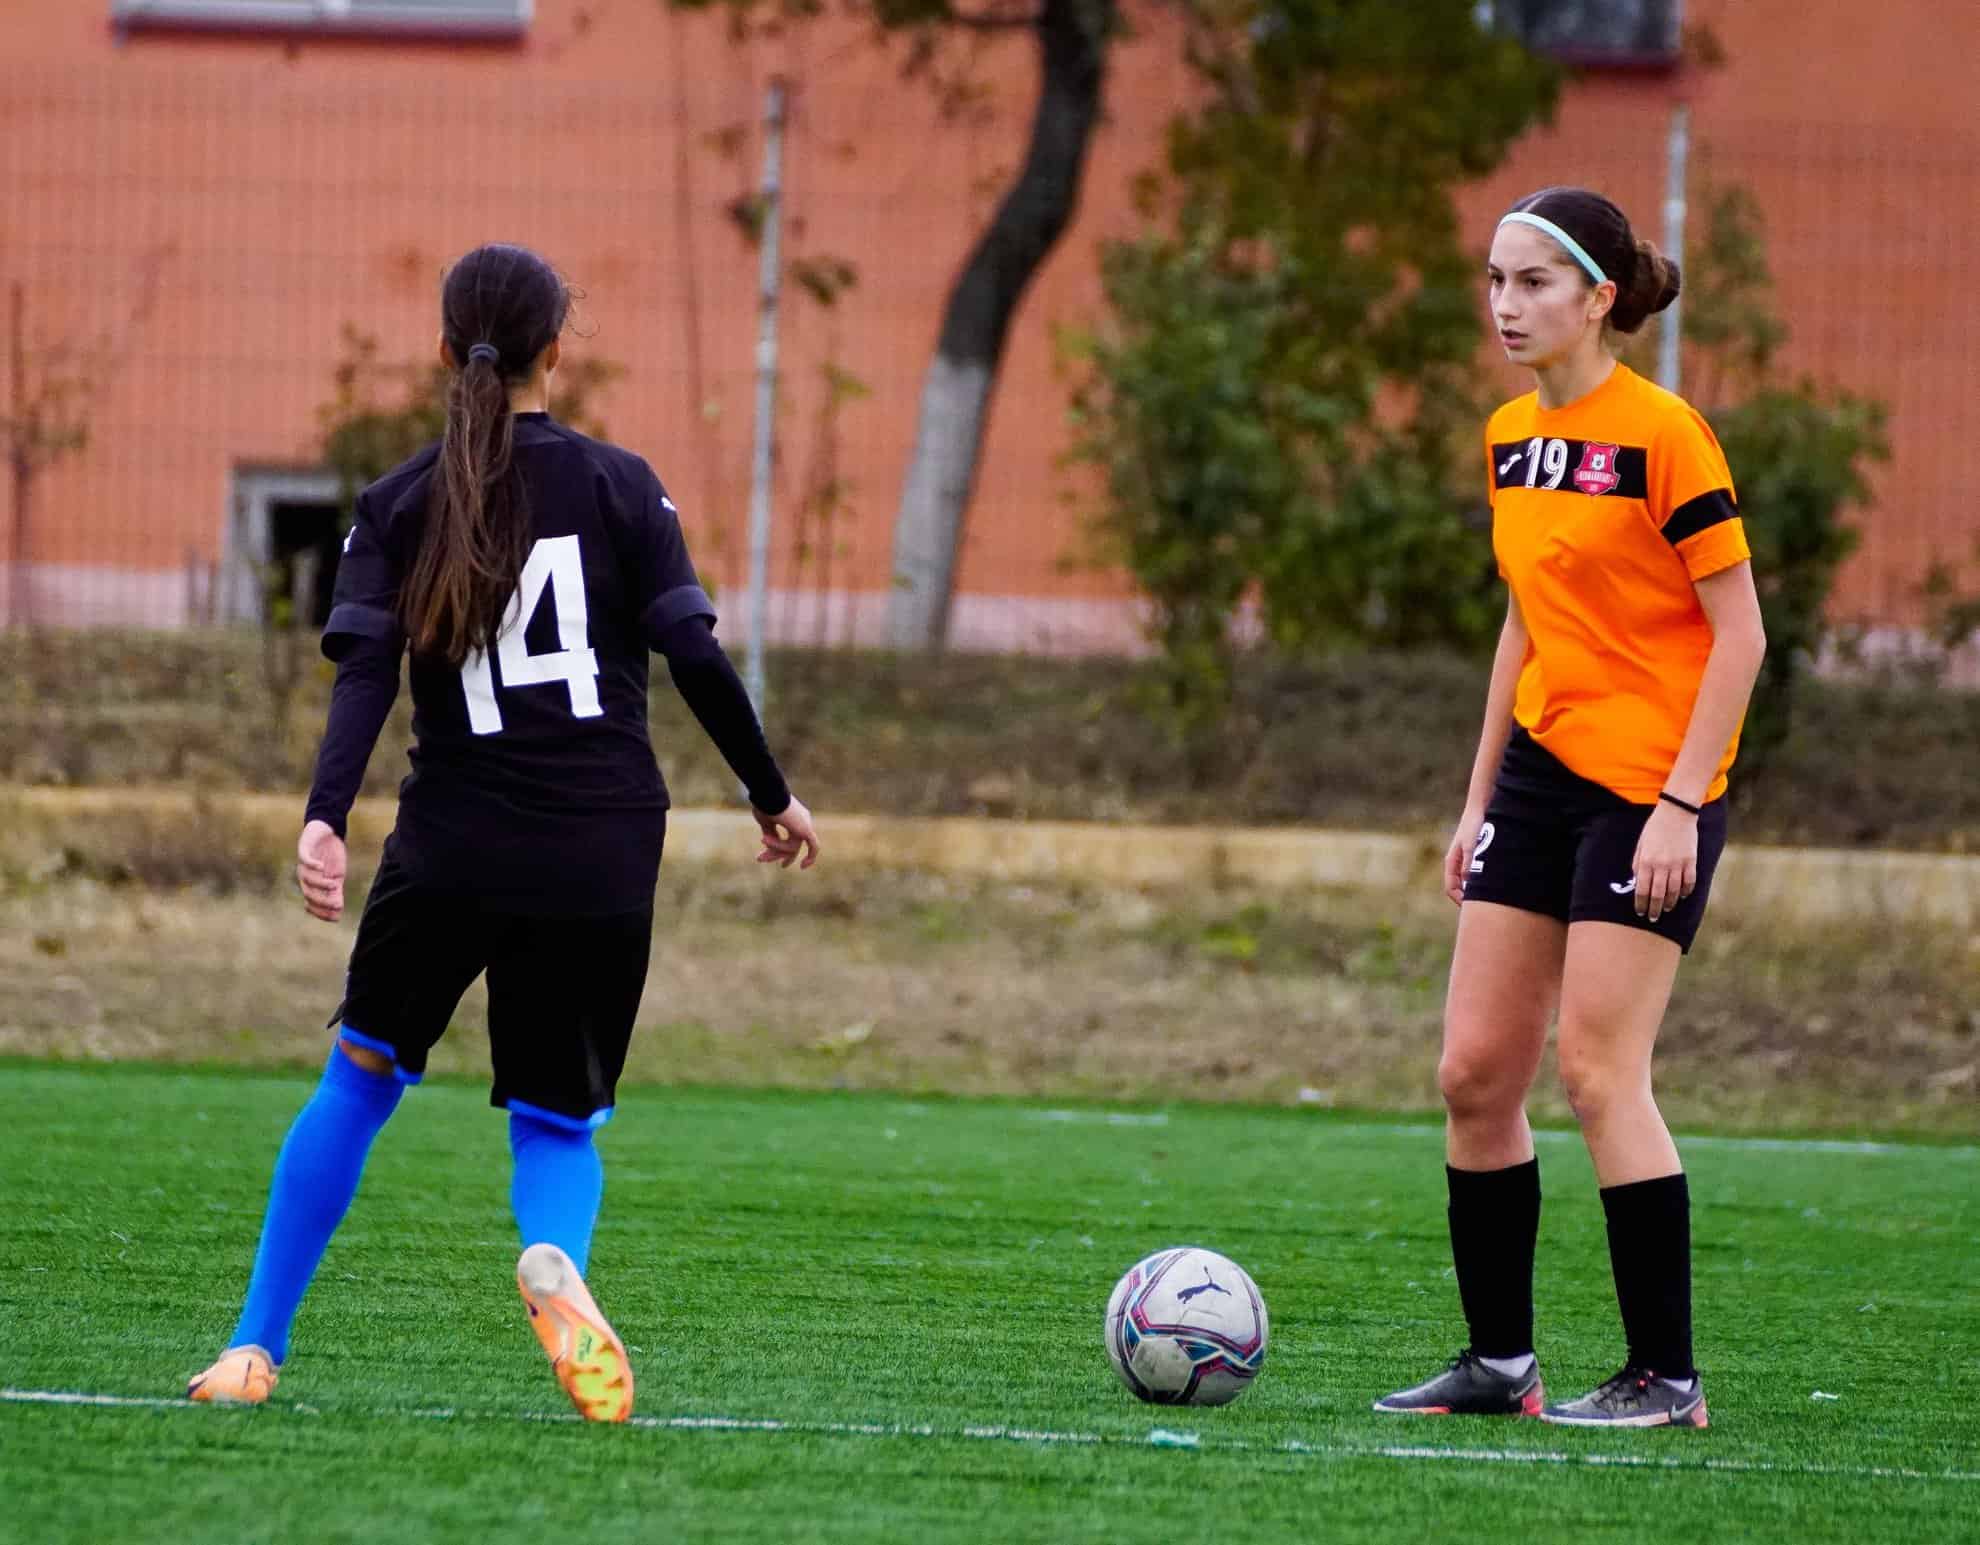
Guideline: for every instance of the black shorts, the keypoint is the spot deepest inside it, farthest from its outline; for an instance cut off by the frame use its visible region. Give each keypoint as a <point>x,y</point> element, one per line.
<point>1556,843</point>
<point>562,992</point>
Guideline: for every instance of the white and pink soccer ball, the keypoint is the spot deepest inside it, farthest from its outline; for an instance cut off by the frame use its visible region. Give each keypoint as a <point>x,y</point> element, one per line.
<point>1187,1327</point>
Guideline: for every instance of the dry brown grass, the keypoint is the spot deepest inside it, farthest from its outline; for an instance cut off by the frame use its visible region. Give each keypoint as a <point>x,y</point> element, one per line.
<point>873,979</point>
<point>1376,741</point>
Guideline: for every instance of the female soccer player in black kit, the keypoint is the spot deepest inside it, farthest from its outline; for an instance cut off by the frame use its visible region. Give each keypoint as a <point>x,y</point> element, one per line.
<point>526,571</point>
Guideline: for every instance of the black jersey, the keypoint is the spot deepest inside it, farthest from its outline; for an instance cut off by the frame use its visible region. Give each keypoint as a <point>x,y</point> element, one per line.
<point>534,785</point>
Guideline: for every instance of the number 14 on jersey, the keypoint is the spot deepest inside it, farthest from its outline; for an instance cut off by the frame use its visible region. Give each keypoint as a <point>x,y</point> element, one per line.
<point>556,564</point>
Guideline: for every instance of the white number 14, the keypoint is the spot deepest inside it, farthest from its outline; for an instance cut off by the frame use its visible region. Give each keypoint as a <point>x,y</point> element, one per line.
<point>554,563</point>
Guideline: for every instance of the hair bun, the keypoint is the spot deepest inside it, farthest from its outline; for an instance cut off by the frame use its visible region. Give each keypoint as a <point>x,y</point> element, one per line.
<point>1654,283</point>
<point>1667,280</point>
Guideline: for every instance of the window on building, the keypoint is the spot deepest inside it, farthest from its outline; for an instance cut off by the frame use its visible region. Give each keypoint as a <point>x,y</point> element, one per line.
<point>1597,33</point>
<point>284,536</point>
<point>431,18</point>
<point>306,546</point>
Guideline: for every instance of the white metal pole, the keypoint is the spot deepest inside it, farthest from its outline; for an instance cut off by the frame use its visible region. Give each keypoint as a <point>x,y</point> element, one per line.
<point>1678,154</point>
<point>763,459</point>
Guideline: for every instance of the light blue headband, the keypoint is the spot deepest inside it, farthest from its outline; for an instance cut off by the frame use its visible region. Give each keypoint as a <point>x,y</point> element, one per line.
<point>1574,248</point>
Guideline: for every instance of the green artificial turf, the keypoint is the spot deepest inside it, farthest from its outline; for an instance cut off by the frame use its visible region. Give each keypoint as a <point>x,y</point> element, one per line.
<point>891,1294</point>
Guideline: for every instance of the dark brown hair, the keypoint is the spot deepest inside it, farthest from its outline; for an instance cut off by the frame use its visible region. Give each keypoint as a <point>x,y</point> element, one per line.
<point>509,301</point>
<point>1646,281</point>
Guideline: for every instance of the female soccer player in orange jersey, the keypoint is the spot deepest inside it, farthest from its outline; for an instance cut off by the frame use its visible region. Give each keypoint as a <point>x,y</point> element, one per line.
<point>1596,811</point>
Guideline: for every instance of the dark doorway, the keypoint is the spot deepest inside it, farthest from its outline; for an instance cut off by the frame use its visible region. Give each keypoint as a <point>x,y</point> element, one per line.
<point>304,544</point>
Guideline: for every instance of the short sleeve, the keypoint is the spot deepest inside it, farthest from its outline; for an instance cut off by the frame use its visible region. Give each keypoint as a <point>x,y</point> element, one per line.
<point>365,602</point>
<point>1692,499</point>
<point>1492,498</point>
<point>666,586</point>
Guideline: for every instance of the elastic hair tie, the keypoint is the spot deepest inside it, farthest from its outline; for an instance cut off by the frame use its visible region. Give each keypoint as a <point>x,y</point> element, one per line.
<point>486,351</point>
<point>1682,804</point>
<point>1574,248</point>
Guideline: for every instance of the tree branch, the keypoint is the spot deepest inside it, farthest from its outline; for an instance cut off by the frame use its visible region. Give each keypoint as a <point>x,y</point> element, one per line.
<point>994,23</point>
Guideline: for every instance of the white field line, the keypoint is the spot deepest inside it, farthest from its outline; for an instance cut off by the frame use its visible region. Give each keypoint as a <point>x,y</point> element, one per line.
<point>1426,1129</point>
<point>1156,1439</point>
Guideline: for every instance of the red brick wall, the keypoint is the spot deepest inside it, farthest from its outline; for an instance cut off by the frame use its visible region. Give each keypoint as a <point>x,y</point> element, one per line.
<point>281,190</point>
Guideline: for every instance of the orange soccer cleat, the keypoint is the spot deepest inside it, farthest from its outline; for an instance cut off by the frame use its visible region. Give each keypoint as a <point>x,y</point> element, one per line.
<point>244,1376</point>
<point>586,1354</point>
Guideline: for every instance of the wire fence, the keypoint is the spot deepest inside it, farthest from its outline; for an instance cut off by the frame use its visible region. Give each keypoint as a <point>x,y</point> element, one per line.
<point>188,241</point>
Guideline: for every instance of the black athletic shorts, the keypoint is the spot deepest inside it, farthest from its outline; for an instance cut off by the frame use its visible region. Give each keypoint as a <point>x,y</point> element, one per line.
<point>562,992</point>
<point>1556,843</point>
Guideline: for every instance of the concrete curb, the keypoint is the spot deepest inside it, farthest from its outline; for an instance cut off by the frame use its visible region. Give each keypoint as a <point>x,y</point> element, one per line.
<point>1796,885</point>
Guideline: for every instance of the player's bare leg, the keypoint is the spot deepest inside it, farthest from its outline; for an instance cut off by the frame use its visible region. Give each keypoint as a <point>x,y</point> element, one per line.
<point>1505,979</point>
<point>1615,990</point>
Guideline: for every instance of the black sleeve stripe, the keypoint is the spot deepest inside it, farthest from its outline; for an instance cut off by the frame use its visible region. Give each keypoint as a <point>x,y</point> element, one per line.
<point>1700,514</point>
<point>674,605</point>
<point>353,620</point>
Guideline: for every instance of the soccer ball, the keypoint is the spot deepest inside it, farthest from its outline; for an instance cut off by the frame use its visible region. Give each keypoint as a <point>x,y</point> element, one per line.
<point>1186,1327</point>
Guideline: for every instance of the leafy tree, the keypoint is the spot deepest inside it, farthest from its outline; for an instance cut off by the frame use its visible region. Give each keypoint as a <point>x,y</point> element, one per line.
<point>1799,461</point>
<point>1197,437</point>
<point>1799,455</point>
<point>51,394</point>
<point>1072,39</point>
<point>47,420</point>
<point>1286,389</point>
<point>1730,327</point>
<point>1952,613</point>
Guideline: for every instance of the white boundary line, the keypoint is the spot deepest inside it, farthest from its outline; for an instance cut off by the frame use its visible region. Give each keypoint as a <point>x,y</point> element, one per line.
<point>1156,1439</point>
<point>1834,1145</point>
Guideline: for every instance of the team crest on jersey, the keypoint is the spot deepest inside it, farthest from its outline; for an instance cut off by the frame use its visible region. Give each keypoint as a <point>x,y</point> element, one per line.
<point>1597,473</point>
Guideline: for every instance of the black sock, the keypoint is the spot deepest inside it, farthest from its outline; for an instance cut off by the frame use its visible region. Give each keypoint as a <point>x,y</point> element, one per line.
<point>1495,1219</point>
<point>1650,1249</point>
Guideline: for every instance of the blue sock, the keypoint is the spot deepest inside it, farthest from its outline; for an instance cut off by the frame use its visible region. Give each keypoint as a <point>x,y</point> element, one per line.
<point>316,1176</point>
<point>559,1182</point>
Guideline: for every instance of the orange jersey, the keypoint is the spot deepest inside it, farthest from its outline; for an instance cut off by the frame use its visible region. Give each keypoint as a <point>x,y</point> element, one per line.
<point>1604,514</point>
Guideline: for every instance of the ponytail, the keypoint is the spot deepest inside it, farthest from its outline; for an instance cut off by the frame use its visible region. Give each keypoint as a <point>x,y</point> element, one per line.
<point>471,554</point>
<point>500,308</point>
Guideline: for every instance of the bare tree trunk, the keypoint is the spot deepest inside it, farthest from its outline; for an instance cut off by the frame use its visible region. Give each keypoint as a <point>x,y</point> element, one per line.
<point>20,608</point>
<point>1073,36</point>
<point>18,455</point>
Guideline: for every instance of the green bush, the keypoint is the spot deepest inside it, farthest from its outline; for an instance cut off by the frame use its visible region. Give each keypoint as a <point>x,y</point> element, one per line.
<point>1283,391</point>
<point>1799,456</point>
<point>1202,442</point>
<point>1798,461</point>
<point>1234,413</point>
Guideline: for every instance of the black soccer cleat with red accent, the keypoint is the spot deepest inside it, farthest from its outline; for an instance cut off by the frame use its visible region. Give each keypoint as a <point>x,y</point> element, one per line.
<point>1469,1388</point>
<point>1635,1397</point>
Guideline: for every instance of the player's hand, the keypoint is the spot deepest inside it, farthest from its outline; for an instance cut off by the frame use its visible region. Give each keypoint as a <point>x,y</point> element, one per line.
<point>1457,862</point>
<point>788,835</point>
<point>320,863</point>
<point>1666,860</point>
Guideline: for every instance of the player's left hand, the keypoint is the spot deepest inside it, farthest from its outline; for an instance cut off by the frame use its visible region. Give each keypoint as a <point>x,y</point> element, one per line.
<point>788,836</point>
<point>320,865</point>
<point>1666,860</point>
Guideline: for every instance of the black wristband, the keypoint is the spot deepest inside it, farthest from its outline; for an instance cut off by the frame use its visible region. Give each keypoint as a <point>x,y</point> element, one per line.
<point>1672,799</point>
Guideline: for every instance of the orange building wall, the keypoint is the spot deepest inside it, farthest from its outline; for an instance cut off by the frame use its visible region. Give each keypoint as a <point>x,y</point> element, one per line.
<point>281,189</point>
